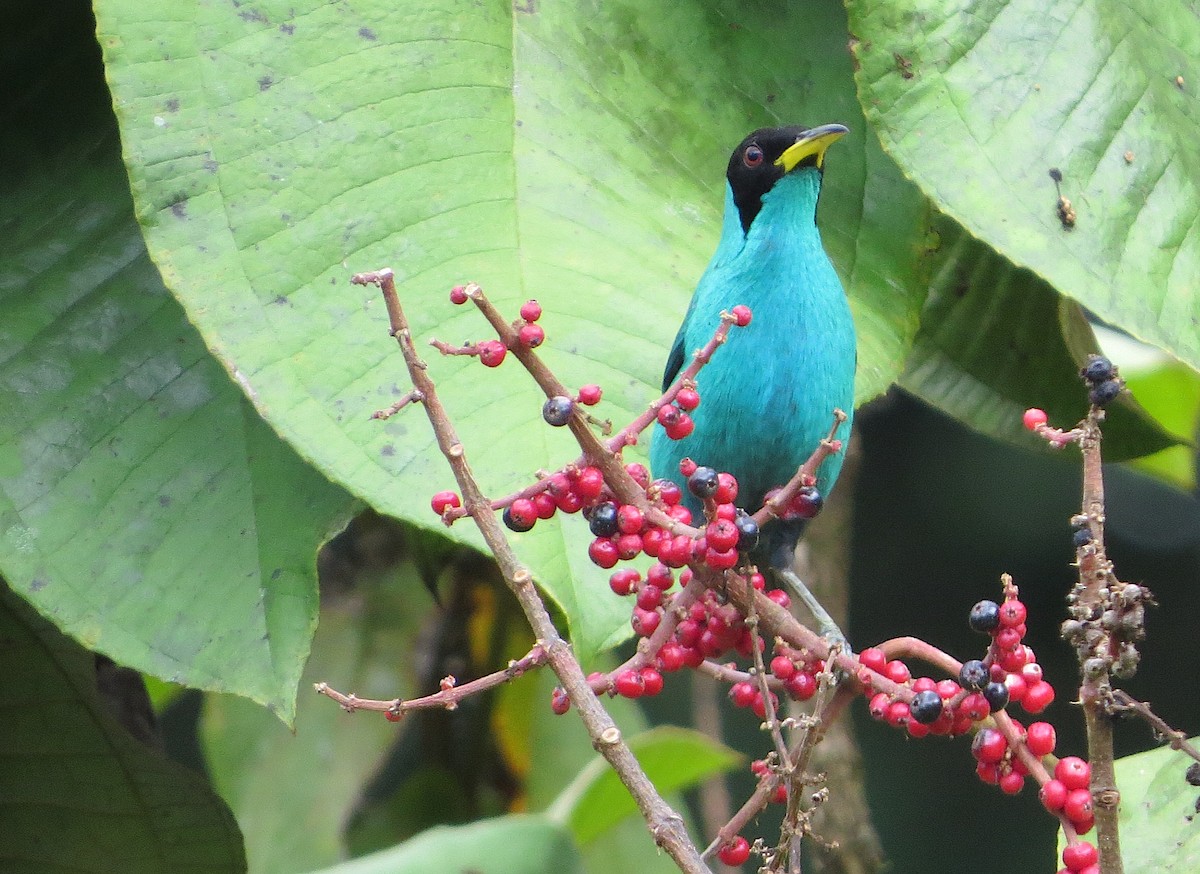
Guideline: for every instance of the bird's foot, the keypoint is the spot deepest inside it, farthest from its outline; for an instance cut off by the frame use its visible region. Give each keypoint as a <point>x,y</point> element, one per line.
<point>826,627</point>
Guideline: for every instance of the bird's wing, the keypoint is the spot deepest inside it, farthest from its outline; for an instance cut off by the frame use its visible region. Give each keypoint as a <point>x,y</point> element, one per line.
<point>675,359</point>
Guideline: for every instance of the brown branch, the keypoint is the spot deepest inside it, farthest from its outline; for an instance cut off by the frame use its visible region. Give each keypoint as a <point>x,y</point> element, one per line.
<point>447,699</point>
<point>1178,740</point>
<point>664,824</point>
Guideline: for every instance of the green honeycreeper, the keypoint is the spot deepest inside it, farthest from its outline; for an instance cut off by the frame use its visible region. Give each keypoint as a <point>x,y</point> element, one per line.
<point>767,395</point>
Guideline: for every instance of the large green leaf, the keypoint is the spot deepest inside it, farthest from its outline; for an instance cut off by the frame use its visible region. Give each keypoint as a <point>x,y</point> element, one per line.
<point>979,99</point>
<point>572,152</point>
<point>505,845</point>
<point>77,792</point>
<point>144,506</point>
<point>996,339</point>
<point>292,793</point>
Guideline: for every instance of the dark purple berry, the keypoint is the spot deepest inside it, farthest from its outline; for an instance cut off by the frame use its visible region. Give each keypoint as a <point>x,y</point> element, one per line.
<point>1103,393</point>
<point>996,695</point>
<point>1097,370</point>
<point>1082,537</point>
<point>703,483</point>
<point>517,521</point>
<point>926,707</point>
<point>984,617</point>
<point>807,503</point>
<point>974,674</point>
<point>747,531</point>
<point>557,410</point>
<point>603,519</point>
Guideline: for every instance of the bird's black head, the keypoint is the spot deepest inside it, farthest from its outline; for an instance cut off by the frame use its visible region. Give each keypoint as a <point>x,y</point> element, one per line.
<point>769,154</point>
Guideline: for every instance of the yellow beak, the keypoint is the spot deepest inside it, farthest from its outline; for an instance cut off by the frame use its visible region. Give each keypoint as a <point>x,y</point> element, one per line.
<point>814,142</point>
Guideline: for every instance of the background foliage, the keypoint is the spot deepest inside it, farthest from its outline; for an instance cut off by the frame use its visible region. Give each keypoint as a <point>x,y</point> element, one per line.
<point>185,376</point>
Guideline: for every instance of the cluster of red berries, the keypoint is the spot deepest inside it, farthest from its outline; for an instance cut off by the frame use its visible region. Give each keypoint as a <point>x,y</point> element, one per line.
<point>529,334</point>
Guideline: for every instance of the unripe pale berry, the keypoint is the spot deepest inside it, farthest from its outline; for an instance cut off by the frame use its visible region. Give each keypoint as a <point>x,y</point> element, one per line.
<point>1034,418</point>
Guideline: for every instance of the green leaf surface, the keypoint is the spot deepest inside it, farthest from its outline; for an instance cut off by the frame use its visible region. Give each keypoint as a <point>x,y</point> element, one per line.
<point>1157,816</point>
<point>1171,392</point>
<point>77,792</point>
<point>673,758</point>
<point>292,792</point>
<point>569,152</point>
<point>144,506</point>
<point>978,99</point>
<point>517,844</point>
<point>996,339</point>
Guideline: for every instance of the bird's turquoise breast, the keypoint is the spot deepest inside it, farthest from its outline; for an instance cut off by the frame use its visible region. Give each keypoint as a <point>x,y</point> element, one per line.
<point>768,395</point>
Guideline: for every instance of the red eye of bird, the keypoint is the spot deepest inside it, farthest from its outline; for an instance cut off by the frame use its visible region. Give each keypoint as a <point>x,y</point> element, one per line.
<point>753,156</point>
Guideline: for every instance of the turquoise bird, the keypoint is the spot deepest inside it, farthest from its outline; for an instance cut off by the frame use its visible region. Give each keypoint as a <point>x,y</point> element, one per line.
<point>768,395</point>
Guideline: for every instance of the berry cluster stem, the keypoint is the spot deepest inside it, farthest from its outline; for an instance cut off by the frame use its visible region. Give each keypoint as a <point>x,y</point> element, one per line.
<point>665,825</point>
<point>1095,692</point>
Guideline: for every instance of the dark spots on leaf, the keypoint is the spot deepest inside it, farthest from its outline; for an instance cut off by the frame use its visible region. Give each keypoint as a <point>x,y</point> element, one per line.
<point>265,82</point>
<point>367,34</point>
<point>280,300</point>
<point>285,217</point>
<point>210,165</point>
<point>770,98</point>
<point>529,7</point>
<point>253,15</point>
<point>903,65</point>
<point>277,573</point>
<point>164,500</point>
<point>287,29</point>
<point>172,104</point>
<point>388,450</point>
<point>179,206</point>
<point>37,584</point>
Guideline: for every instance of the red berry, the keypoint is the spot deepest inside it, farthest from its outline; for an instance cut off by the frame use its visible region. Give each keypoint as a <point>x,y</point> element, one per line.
<point>1040,738</point>
<point>1016,687</point>
<point>531,336</point>
<point>873,658</point>
<point>491,352</point>
<point>898,714</point>
<point>1008,638</point>
<point>680,428</point>
<point>896,671</point>
<point>668,415</point>
<point>622,582</point>
<point>1012,613</point>
<point>727,488</point>
<point>670,657</point>
<point>687,632</point>
<point>1053,795</point>
<point>570,503</point>
<point>782,667</point>
<point>687,399</point>
<point>652,541</point>
<point>603,552</point>
<point>669,492</point>
<point>545,505</point>
<point>644,622</point>
<point>687,466</point>
<point>659,575</point>
<point>801,686</point>
<point>947,689</point>
<point>629,684</point>
<point>759,708</point>
<point>443,501</point>
<point>590,394</point>
<point>735,853</point>
<point>988,772</point>
<point>650,597</point>
<point>1034,417</point>
<point>1031,673</point>
<point>917,729</point>
<point>742,694</point>
<point>520,515</point>
<point>1073,772</point>
<point>780,597</point>
<point>720,559</point>
<point>989,746</point>
<point>629,519</point>
<point>722,535</point>
<point>640,474</point>
<point>780,796</point>
<point>879,705</point>
<point>1038,697</point>
<point>629,546</point>
<point>559,702</point>
<point>652,680</point>
<point>458,294</point>
<point>1079,855</point>
<point>531,311</point>
<point>1078,806</point>
<point>974,707</point>
<point>757,581</point>
<point>741,315</point>
<point>393,715</point>
<point>1011,783</point>
<point>589,483</point>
